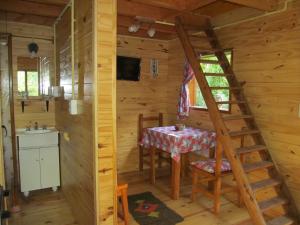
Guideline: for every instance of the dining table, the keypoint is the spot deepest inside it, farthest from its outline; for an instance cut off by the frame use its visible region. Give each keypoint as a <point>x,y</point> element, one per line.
<point>176,143</point>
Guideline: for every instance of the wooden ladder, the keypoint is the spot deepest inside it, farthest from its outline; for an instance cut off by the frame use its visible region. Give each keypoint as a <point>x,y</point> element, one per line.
<point>190,27</point>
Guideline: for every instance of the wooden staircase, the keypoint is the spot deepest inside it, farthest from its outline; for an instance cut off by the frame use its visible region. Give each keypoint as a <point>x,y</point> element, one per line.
<point>191,27</point>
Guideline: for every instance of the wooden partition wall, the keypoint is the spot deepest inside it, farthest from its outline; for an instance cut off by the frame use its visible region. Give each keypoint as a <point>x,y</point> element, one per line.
<point>76,131</point>
<point>105,108</point>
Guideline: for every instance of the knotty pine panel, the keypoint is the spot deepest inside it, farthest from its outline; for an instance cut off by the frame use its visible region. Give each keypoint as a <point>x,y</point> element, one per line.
<point>77,135</point>
<point>267,58</point>
<point>105,107</point>
<point>147,96</point>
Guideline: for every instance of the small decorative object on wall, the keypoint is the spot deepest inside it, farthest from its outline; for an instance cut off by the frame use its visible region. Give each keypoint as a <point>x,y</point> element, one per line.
<point>154,67</point>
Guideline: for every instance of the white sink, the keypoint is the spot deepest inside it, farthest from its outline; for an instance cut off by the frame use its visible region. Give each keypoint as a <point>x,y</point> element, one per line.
<point>39,131</point>
<point>23,131</point>
<point>37,138</point>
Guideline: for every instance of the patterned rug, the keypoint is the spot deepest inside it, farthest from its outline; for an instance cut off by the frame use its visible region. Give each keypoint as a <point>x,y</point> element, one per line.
<point>149,210</point>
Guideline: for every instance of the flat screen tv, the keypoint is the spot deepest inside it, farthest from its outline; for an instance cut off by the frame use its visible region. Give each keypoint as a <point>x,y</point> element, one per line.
<point>128,68</point>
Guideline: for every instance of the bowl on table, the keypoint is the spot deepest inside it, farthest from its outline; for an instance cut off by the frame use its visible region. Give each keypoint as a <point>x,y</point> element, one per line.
<point>179,127</point>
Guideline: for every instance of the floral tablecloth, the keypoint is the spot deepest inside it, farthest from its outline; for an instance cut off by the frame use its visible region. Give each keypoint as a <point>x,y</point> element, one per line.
<point>178,142</point>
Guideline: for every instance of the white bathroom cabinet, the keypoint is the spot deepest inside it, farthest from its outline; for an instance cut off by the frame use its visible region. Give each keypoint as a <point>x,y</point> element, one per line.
<point>39,162</point>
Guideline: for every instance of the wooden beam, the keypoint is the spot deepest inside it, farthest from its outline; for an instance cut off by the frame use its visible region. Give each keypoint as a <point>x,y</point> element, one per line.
<point>191,5</point>
<point>256,4</point>
<point>31,19</point>
<point>126,21</point>
<point>32,8</point>
<point>168,4</point>
<point>133,9</point>
<point>50,2</point>
<point>196,22</point>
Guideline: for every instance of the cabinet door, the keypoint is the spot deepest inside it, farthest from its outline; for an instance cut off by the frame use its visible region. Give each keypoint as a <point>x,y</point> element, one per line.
<point>49,158</point>
<point>30,169</point>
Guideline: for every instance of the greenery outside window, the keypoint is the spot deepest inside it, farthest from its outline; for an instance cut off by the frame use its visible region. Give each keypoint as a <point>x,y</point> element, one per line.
<point>197,100</point>
<point>28,82</point>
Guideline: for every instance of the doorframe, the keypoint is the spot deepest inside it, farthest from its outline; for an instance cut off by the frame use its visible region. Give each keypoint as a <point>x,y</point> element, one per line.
<point>15,186</point>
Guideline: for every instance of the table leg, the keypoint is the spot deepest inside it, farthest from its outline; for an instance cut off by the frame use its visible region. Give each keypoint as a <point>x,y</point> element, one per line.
<point>175,179</point>
<point>152,165</point>
<point>212,153</point>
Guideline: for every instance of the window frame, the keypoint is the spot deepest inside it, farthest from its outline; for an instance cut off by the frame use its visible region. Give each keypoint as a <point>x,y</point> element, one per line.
<point>26,84</point>
<point>192,89</point>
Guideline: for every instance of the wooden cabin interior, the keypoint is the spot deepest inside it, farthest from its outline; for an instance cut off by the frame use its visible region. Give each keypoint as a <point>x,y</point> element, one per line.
<point>157,112</point>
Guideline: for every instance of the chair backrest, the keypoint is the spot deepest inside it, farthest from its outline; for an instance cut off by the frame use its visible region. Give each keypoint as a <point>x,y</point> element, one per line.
<point>143,120</point>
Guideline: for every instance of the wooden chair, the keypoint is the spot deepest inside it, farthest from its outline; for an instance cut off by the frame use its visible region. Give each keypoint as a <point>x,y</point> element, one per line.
<point>209,171</point>
<point>122,190</point>
<point>144,155</point>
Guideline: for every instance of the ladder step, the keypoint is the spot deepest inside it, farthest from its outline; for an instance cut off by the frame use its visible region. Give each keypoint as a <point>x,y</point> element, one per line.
<point>250,167</point>
<point>260,185</point>
<point>243,133</point>
<point>237,117</point>
<point>225,88</point>
<point>206,61</point>
<point>231,102</point>
<point>272,203</point>
<point>218,74</point>
<point>250,149</point>
<point>282,220</point>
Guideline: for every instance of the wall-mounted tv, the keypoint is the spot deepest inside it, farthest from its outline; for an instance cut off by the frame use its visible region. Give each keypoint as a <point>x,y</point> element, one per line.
<point>128,68</point>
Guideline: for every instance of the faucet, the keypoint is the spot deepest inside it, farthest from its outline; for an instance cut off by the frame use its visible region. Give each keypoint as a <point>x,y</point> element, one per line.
<point>36,126</point>
<point>28,128</point>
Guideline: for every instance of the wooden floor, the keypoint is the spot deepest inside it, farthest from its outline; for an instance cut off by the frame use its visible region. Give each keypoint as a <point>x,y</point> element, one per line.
<point>44,207</point>
<point>199,212</point>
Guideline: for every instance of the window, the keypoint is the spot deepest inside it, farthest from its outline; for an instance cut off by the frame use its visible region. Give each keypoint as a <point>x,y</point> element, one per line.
<point>197,100</point>
<point>28,82</point>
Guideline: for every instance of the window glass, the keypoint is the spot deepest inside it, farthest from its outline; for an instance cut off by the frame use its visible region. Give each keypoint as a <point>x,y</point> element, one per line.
<point>21,81</point>
<point>33,83</point>
<point>213,81</point>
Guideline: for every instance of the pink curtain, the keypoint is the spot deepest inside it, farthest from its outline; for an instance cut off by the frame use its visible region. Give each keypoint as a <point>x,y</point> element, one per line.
<point>184,99</point>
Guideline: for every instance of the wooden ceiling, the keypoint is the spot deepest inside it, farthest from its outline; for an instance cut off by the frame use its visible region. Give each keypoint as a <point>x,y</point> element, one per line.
<point>44,12</point>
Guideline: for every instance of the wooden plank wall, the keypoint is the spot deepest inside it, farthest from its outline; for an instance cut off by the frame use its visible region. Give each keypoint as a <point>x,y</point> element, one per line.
<point>267,57</point>
<point>105,28</point>
<point>147,96</point>
<point>23,34</point>
<point>77,148</point>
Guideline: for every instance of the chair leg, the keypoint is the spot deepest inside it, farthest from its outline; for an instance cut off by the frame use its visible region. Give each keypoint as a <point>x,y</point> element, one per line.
<point>194,185</point>
<point>152,165</point>
<point>125,206</point>
<point>160,159</point>
<point>141,158</point>
<point>217,195</point>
